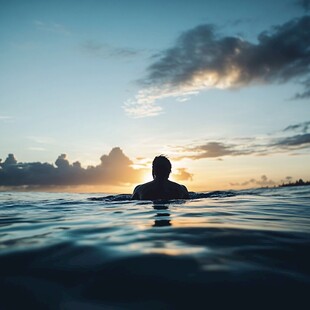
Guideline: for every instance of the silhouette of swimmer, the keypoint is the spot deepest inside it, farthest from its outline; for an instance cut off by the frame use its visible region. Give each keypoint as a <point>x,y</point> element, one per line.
<point>160,187</point>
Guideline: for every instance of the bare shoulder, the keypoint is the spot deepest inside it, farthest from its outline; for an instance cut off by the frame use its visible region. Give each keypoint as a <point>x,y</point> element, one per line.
<point>139,189</point>
<point>180,188</point>
<point>135,194</point>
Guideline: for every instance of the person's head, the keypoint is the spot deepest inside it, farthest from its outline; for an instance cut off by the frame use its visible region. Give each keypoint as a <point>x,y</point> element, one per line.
<point>161,167</point>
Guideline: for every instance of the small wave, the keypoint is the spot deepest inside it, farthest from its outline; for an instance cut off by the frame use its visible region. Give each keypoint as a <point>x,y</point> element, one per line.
<point>111,198</point>
<point>215,194</point>
<point>192,195</point>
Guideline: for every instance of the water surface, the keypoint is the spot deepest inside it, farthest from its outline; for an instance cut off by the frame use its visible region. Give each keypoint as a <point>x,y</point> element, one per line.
<point>87,251</point>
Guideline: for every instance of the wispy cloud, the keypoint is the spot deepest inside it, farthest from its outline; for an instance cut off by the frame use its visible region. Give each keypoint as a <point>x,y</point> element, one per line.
<point>256,146</point>
<point>104,50</point>
<point>52,27</point>
<point>202,59</point>
<point>219,149</point>
<point>301,127</point>
<point>41,139</point>
<point>144,103</point>
<point>263,181</point>
<point>294,142</point>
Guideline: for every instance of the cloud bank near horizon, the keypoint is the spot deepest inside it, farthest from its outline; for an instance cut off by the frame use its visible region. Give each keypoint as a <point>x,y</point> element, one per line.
<point>202,59</point>
<point>264,181</point>
<point>114,169</point>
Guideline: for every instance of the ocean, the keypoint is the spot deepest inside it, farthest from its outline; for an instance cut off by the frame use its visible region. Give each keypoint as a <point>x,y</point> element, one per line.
<point>216,250</point>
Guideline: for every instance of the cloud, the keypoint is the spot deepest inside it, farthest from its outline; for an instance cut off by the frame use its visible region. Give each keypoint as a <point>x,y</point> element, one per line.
<point>142,106</point>
<point>303,95</point>
<point>215,149</point>
<point>106,51</point>
<point>202,59</point>
<point>114,169</point>
<point>304,4</point>
<point>263,182</point>
<point>183,175</point>
<point>297,141</point>
<point>219,149</point>
<point>256,146</point>
<point>303,127</point>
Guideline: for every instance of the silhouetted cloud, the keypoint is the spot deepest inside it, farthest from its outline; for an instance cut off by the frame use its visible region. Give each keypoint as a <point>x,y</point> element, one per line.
<point>10,160</point>
<point>114,169</point>
<point>263,182</point>
<point>202,59</point>
<point>183,175</point>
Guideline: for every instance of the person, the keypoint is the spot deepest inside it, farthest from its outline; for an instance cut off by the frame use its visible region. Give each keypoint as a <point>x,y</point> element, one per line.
<point>160,187</point>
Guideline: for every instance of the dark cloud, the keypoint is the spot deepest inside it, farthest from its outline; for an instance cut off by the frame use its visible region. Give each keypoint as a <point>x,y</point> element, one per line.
<point>263,182</point>
<point>218,149</point>
<point>299,141</point>
<point>114,169</point>
<point>302,127</point>
<point>10,160</point>
<point>183,175</point>
<point>306,93</point>
<point>304,4</point>
<point>215,149</point>
<point>201,58</point>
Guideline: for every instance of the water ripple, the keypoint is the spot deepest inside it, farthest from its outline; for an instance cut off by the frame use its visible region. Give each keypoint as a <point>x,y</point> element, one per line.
<point>77,251</point>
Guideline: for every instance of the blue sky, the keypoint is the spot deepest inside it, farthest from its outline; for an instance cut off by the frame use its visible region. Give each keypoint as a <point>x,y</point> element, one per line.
<point>68,68</point>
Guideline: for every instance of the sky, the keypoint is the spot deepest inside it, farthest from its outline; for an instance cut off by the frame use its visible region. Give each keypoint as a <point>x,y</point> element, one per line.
<point>91,91</point>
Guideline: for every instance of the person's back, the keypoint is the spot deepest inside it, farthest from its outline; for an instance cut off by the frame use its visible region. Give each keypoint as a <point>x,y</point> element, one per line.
<point>160,187</point>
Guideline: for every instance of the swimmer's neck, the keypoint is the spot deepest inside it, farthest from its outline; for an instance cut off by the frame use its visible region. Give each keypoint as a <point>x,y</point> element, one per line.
<point>160,180</point>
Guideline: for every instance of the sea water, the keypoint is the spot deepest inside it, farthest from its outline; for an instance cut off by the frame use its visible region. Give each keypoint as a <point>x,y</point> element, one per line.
<point>216,250</point>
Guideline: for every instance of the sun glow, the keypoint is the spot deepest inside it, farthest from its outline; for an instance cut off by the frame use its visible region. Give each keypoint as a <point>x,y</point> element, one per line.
<point>147,177</point>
